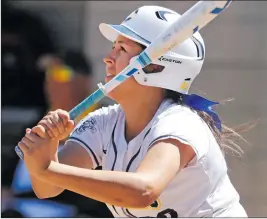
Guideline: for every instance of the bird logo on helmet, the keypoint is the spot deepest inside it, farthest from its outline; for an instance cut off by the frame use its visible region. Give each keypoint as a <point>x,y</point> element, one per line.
<point>161,14</point>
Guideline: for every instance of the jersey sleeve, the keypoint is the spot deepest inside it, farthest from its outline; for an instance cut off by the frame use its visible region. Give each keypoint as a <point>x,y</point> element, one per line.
<point>90,131</point>
<point>184,125</point>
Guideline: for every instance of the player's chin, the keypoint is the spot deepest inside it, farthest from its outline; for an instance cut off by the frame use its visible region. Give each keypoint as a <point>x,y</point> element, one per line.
<point>108,78</point>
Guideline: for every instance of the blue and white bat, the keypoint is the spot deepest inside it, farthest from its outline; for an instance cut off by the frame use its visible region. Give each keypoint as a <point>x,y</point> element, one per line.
<point>190,22</point>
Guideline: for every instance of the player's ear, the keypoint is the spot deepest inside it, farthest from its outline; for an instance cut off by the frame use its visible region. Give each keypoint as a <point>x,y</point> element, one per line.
<point>153,68</point>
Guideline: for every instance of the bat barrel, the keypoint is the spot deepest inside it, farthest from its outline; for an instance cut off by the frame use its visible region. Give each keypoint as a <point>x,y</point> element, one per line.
<point>191,21</point>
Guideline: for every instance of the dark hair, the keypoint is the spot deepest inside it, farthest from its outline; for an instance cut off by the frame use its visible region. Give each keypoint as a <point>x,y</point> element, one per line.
<point>225,137</point>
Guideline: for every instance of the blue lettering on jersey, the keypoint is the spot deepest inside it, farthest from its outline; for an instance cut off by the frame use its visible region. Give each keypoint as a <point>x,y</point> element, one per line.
<point>88,124</point>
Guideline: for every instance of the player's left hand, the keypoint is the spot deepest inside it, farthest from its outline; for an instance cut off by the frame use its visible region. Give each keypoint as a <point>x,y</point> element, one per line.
<point>37,151</point>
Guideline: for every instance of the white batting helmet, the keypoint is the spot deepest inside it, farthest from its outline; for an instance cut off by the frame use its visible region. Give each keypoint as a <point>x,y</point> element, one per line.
<point>181,65</point>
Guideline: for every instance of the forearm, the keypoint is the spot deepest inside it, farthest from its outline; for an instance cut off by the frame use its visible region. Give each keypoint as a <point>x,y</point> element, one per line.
<point>114,188</point>
<point>43,189</point>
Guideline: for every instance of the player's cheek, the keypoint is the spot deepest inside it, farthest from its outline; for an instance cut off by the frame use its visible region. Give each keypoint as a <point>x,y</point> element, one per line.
<point>122,62</point>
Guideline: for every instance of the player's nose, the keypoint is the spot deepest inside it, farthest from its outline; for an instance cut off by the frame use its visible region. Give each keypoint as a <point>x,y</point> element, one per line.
<point>109,60</point>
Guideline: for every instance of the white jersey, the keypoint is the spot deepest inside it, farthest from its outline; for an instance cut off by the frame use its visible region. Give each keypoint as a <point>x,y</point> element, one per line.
<point>201,189</point>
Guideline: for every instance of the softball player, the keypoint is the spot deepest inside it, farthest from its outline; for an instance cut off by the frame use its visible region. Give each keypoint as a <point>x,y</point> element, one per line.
<point>160,148</point>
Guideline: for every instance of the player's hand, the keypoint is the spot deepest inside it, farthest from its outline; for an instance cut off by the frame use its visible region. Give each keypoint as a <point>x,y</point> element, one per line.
<point>57,124</point>
<point>37,151</point>
<point>41,132</point>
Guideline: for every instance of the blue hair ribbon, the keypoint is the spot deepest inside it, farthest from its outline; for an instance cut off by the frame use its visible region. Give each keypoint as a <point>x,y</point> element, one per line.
<point>202,104</point>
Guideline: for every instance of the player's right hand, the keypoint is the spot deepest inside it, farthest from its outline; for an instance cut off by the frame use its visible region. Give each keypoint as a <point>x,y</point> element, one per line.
<point>55,125</point>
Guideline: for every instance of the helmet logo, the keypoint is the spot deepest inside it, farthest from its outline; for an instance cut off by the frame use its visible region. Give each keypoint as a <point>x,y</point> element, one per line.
<point>170,60</point>
<point>184,86</point>
<point>161,14</point>
<point>131,15</point>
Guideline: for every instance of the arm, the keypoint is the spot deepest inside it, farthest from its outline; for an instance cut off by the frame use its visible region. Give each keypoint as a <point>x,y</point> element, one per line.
<point>71,154</point>
<point>44,190</point>
<point>139,189</point>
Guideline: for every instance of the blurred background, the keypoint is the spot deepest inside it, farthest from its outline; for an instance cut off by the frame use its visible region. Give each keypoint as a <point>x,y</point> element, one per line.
<point>52,57</point>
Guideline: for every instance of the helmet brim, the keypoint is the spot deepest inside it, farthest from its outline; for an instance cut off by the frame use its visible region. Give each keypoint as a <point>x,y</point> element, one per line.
<point>112,31</point>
